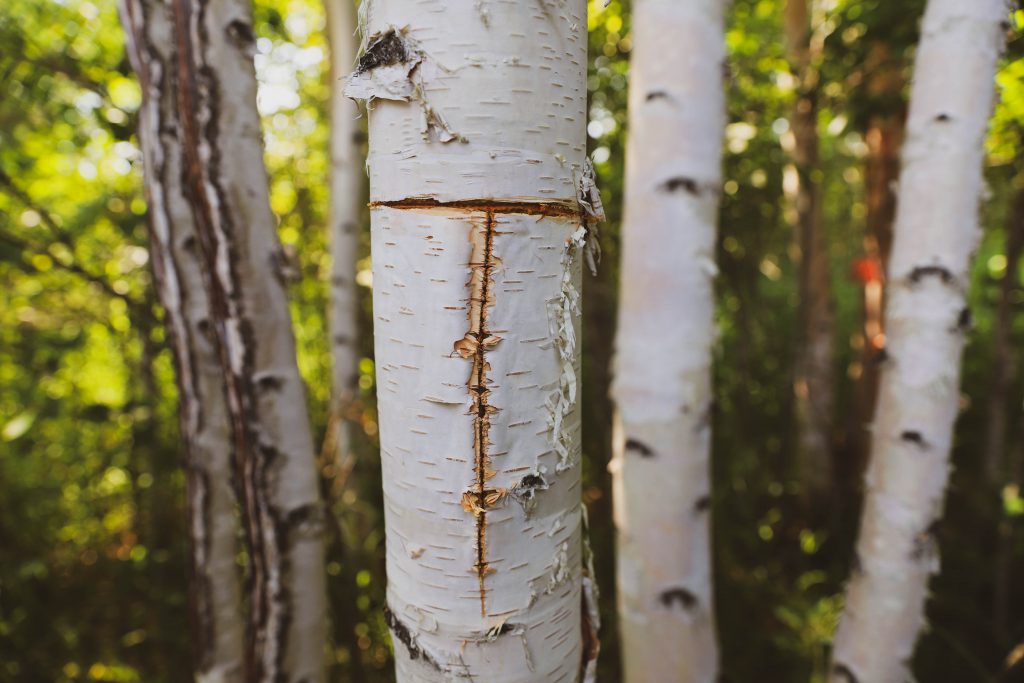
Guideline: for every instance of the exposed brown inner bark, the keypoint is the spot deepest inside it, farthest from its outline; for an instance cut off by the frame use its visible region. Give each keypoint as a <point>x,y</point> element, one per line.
<point>475,344</point>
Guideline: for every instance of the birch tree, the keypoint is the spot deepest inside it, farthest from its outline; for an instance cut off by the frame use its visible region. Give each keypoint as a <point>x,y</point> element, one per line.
<point>662,384</point>
<point>245,272</point>
<point>815,382</point>
<point>217,618</point>
<point>481,198</point>
<point>926,318</point>
<point>346,205</point>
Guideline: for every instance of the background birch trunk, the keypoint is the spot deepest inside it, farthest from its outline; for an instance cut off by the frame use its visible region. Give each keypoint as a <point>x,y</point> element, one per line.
<point>814,384</point>
<point>347,201</point>
<point>215,589</point>
<point>245,271</point>
<point>477,152</point>
<point>662,384</point>
<point>936,232</point>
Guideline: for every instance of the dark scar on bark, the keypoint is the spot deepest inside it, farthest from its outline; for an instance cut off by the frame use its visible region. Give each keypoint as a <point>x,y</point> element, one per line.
<point>913,436</point>
<point>880,356</point>
<point>845,672</point>
<point>657,95</point>
<point>680,183</point>
<point>385,50</point>
<point>640,447</point>
<point>240,33</point>
<point>965,320</point>
<point>684,597</point>
<point>269,383</point>
<point>943,117</point>
<point>925,541</point>
<point>703,504</point>
<point>921,272</point>
<point>402,633</point>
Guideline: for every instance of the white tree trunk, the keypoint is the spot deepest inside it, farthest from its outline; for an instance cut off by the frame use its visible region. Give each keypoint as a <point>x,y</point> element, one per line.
<point>347,174</point>
<point>662,384</point>
<point>245,271</point>
<point>926,317</point>
<point>216,600</point>
<point>477,147</point>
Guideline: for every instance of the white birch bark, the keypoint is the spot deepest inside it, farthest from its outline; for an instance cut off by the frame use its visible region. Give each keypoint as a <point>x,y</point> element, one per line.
<point>662,384</point>
<point>215,582</point>
<point>936,231</point>
<point>244,267</point>
<point>346,181</point>
<point>477,147</point>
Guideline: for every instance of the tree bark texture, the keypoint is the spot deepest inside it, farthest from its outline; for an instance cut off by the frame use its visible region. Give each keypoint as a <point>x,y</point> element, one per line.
<point>217,619</point>
<point>477,159</point>
<point>926,317</point>
<point>814,384</point>
<point>662,378</point>
<point>347,202</point>
<point>244,266</point>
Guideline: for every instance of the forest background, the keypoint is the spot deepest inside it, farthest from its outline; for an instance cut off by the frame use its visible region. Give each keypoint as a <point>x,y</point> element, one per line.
<point>93,577</point>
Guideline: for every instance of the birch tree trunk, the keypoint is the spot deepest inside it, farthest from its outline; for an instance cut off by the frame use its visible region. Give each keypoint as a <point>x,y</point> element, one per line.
<point>477,151</point>
<point>936,232</point>
<point>815,383</point>
<point>347,172</point>
<point>662,379</point>
<point>244,268</point>
<point>217,620</point>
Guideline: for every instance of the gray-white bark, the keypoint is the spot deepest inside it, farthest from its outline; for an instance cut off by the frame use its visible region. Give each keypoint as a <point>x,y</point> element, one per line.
<point>477,144</point>
<point>926,316</point>
<point>662,384</point>
<point>216,596</point>
<point>244,269</point>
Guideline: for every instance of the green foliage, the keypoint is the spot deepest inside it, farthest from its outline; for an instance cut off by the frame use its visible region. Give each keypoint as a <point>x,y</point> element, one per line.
<point>93,581</point>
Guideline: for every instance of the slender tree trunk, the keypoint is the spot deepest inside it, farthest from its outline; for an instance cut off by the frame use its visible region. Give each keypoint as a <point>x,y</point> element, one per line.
<point>216,611</point>
<point>998,470</point>
<point>662,384</point>
<point>244,267</point>
<point>815,382</point>
<point>936,231</point>
<point>347,173</point>
<point>477,152</point>
<point>1005,358</point>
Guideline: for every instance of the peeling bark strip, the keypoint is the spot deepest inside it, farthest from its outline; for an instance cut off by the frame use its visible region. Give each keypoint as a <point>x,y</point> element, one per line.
<point>935,233</point>
<point>226,188</point>
<point>476,278</point>
<point>662,367</point>
<point>217,624</point>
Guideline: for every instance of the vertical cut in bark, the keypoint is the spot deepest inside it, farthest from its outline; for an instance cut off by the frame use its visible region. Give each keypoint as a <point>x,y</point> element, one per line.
<point>477,159</point>
<point>347,172</point>
<point>815,379</point>
<point>216,607</point>
<point>936,232</point>
<point>226,186</point>
<point>662,378</point>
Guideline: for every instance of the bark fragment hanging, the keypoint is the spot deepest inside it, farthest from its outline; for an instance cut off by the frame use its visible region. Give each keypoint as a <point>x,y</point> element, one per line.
<point>388,69</point>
